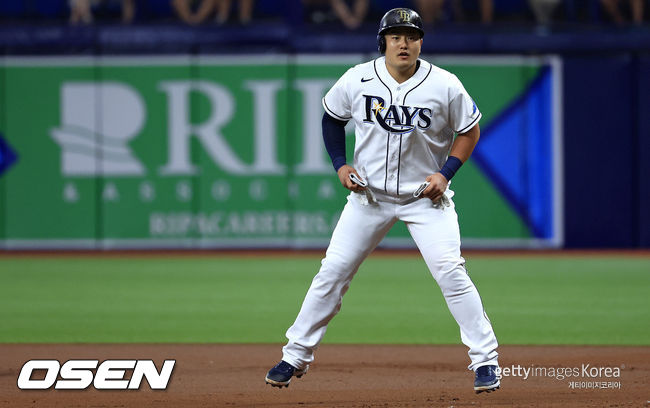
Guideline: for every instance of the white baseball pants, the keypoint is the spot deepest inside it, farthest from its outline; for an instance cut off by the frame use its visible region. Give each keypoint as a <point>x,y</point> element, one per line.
<point>359,230</point>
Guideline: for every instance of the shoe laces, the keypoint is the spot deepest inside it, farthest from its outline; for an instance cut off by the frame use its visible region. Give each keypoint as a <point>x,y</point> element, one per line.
<point>485,371</point>
<point>284,366</point>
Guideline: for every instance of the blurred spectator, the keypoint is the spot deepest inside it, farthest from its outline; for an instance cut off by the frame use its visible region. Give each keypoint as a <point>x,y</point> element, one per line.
<point>204,8</point>
<point>429,10</point>
<point>184,10</point>
<point>128,11</point>
<point>487,11</point>
<point>245,10</point>
<point>486,8</point>
<point>614,11</point>
<point>81,11</point>
<point>543,10</point>
<point>352,16</point>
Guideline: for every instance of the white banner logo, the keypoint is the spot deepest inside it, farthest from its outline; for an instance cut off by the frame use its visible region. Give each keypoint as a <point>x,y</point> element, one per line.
<point>97,121</point>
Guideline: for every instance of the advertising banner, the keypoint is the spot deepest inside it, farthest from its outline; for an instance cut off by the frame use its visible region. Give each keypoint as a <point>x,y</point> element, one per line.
<point>199,151</point>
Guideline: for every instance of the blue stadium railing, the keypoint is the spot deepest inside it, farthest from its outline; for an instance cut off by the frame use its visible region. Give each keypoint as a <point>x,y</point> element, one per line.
<point>273,37</point>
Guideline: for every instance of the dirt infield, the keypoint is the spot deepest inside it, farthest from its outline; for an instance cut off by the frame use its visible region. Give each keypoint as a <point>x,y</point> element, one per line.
<point>347,376</point>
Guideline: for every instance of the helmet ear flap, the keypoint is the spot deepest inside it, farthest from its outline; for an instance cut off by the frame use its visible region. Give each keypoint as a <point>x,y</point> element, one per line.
<point>381,44</point>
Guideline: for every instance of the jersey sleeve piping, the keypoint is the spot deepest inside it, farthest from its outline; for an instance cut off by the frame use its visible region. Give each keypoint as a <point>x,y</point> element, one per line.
<point>468,127</point>
<point>334,114</point>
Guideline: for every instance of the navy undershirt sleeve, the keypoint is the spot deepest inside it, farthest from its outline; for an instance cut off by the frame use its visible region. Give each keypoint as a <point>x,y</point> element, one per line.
<point>334,138</point>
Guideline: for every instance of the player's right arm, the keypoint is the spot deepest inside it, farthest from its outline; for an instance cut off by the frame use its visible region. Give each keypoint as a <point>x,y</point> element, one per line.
<point>344,176</point>
<point>334,138</point>
<point>338,111</point>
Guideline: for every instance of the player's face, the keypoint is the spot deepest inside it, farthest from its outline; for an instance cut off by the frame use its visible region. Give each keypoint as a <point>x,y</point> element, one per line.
<point>402,48</point>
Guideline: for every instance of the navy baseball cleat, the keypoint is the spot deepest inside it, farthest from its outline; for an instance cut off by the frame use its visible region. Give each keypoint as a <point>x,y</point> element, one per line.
<point>486,379</point>
<point>280,375</point>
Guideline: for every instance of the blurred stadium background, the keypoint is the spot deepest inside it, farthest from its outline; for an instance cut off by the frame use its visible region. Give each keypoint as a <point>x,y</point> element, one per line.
<point>182,124</point>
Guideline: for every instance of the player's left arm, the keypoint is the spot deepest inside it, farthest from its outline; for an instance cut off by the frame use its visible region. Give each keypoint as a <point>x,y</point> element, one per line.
<point>461,150</point>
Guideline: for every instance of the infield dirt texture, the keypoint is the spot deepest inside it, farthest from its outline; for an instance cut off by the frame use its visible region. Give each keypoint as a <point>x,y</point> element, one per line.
<point>343,376</point>
<point>216,316</point>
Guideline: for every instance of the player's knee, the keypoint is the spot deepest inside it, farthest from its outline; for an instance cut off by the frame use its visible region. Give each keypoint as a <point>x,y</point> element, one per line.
<point>339,267</point>
<point>454,281</point>
<point>441,263</point>
<point>334,272</point>
<point>450,274</point>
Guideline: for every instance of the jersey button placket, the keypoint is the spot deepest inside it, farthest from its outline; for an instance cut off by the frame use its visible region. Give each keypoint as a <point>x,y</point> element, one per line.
<point>391,185</point>
<point>392,165</point>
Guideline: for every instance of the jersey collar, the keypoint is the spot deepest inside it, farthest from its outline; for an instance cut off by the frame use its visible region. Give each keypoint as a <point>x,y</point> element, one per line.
<point>418,76</point>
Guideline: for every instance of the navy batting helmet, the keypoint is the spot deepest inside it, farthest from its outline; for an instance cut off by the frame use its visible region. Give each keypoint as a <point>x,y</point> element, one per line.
<point>397,17</point>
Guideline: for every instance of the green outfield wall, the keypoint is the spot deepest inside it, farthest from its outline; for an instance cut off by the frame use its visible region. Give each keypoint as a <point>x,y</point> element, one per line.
<point>116,152</point>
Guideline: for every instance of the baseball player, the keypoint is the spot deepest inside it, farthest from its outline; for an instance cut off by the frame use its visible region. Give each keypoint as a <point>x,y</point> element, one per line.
<point>406,113</point>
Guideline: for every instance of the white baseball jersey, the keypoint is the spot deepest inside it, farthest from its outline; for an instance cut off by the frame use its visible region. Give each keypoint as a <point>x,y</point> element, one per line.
<point>403,131</point>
